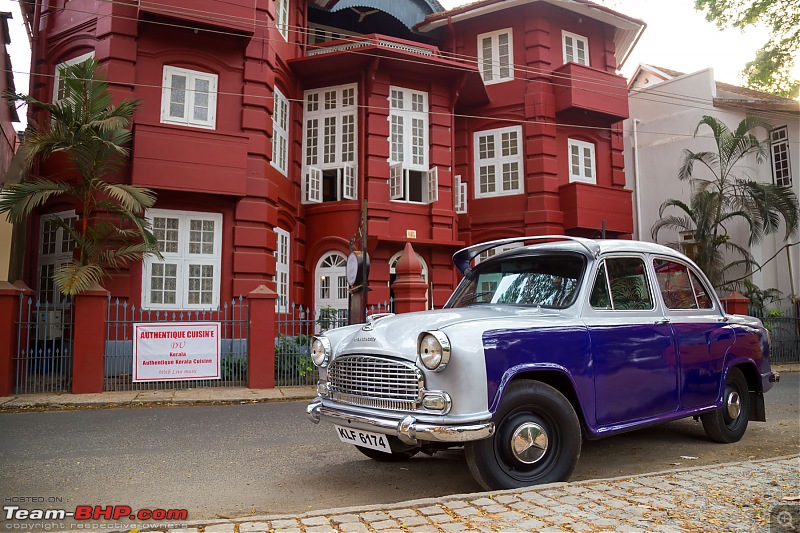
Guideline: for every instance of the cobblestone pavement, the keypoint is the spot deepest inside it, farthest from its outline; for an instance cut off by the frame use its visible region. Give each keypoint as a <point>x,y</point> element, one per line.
<point>736,497</point>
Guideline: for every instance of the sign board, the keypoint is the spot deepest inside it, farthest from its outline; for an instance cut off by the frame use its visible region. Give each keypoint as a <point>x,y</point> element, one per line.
<point>176,351</point>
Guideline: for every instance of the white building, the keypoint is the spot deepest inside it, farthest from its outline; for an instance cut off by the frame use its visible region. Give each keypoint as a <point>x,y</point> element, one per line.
<point>665,108</point>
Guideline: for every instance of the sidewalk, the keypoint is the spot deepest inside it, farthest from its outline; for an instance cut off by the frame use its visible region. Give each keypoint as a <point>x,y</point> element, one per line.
<point>736,497</point>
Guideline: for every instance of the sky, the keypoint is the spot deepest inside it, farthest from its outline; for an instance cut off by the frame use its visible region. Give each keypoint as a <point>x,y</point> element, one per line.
<point>677,37</point>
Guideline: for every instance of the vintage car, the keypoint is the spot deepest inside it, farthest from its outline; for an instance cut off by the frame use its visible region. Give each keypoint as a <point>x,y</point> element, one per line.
<point>539,347</point>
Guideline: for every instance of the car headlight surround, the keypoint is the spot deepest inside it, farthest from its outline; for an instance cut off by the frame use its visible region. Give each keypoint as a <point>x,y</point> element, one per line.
<point>433,350</point>
<point>321,351</point>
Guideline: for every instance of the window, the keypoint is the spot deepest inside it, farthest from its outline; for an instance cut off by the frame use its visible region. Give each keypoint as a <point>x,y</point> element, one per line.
<point>460,196</point>
<point>680,287</point>
<point>58,78</point>
<point>56,244</point>
<point>282,17</point>
<point>576,48</point>
<point>282,269</point>
<point>779,148</point>
<point>280,132</point>
<point>581,162</point>
<point>189,275</point>
<point>498,162</point>
<point>410,179</point>
<point>332,290</point>
<point>621,285</point>
<point>496,56</point>
<point>189,98</point>
<point>318,34</point>
<point>329,145</point>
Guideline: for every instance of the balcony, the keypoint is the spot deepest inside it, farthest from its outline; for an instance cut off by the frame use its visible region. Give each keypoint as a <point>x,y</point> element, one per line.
<point>236,15</point>
<point>581,88</point>
<point>181,159</point>
<point>586,207</point>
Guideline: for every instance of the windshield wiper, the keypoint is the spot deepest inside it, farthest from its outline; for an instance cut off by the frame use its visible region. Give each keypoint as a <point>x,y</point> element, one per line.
<point>474,296</point>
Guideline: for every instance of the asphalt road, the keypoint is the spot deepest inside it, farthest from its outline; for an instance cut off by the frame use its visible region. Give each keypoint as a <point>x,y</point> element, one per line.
<point>238,460</point>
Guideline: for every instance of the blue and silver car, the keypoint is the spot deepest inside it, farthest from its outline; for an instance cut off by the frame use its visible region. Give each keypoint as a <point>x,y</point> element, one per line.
<point>539,347</point>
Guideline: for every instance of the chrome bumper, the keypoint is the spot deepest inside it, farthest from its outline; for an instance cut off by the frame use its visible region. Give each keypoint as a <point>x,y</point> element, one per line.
<point>408,430</point>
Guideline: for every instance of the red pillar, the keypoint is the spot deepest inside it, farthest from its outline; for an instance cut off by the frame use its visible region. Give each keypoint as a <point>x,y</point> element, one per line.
<point>9,316</point>
<point>261,344</point>
<point>736,303</point>
<point>89,340</point>
<point>409,287</point>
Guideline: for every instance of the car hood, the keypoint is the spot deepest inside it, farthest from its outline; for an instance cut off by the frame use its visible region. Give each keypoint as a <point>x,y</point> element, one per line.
<point>396,335</point>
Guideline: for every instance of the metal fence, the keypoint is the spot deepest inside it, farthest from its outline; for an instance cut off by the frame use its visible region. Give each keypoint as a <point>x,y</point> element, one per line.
<point>118,369</point>
<point>43,360</point>
<point>784,328</point>
<point>296,325</point>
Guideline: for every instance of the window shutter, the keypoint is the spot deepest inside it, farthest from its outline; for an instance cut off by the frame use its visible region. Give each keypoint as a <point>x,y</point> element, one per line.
<point>433,185</point>
<point>460,195</point>
<point>313,184</point>
<point>396,188</point>
<point>350,189</point>
<point>487,67</point>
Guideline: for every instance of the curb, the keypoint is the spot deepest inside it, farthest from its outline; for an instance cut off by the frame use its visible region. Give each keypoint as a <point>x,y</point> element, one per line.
<point>451,497</point>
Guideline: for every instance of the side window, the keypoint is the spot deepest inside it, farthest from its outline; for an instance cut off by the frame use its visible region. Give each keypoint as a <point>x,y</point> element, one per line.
<point>622,285</point>
<point>680,287</point>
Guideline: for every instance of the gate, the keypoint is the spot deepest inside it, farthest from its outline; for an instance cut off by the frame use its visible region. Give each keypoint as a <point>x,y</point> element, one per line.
<point>43,360</point>
<point>118,360</point>
<point>784,329</point>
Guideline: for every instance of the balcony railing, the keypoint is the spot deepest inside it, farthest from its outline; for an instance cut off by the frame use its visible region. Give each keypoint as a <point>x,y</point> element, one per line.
<point>381,41</point>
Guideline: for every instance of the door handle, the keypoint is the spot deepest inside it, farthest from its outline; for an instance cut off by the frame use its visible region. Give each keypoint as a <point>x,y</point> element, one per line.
<point>661,321</point>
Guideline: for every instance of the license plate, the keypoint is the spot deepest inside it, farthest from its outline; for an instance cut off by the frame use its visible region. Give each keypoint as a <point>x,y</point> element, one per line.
<point>365,439</point>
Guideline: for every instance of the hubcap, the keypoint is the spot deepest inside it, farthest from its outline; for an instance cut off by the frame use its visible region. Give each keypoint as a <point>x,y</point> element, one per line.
<point>529,442</point>
<point>734,405</point>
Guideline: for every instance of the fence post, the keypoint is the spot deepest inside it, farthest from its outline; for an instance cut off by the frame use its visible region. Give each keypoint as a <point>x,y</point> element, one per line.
<point>735,303</point>
<point>88,353</point>
<point>261,344</point>
<point>9,308</point>
<point>409,287</point>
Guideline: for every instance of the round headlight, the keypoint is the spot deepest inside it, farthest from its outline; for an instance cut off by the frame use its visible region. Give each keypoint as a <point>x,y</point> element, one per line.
<point>320,351</point>
<point>433,349</point>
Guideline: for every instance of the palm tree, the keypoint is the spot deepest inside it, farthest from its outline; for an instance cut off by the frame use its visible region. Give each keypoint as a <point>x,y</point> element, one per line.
<point>92,133</point>
<point>721,197</point>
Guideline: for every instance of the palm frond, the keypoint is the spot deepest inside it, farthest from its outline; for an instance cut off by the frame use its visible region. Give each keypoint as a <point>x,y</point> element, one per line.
<point>20,199</point>
<point>73,278</point>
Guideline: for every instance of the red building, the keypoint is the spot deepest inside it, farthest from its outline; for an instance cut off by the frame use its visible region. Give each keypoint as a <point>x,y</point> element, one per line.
<point>270,129</point>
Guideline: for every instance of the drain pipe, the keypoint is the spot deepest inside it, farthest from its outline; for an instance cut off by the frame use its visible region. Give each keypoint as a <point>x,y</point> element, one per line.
<point>636,179</point>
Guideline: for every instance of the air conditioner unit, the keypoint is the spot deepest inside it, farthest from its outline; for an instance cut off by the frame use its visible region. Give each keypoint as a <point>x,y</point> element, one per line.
<point>48,325</point>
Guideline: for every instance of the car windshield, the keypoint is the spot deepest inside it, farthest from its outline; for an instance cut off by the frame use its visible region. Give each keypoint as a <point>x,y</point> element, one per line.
<point>538,280</point>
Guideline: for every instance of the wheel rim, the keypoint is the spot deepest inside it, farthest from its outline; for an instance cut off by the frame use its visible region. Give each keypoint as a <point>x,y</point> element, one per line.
<point>733,404</point>
<point>527,444</point>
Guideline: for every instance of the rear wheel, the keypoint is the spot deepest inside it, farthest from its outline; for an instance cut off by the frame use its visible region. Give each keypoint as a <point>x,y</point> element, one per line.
<point>537,439</point>
<point>728,423</point>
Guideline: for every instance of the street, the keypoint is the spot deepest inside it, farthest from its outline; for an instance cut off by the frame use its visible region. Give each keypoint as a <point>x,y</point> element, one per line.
<point>256,459</point>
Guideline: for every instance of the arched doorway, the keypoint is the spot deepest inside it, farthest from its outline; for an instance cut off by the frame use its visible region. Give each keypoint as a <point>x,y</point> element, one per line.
<point>330,284</point>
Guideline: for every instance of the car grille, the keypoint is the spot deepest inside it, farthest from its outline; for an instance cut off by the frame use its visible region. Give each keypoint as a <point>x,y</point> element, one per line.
<point>375,382</point>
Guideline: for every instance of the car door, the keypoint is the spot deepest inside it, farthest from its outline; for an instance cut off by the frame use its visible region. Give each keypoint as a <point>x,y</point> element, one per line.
<point>701,334</point>
<point>633,353</point>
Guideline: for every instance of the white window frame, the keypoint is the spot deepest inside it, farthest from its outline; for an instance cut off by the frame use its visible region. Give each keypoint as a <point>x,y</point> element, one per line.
<point>282,18</point>
<point>460,196</point>
<point>330,113</point>
<point>499,162</point>
<point>63,65</point>
<point>580,175</point>
<point>62,253</point>
<point>336,277</point>
<point>189,98</point>
<point>280,132</point>
<point>492,68</point>
<point>780,156</point>
<point>183,259</point>
<point>282,254</point>
<point>491,252</point>
<point>575,54</point>
<point>409,146</point>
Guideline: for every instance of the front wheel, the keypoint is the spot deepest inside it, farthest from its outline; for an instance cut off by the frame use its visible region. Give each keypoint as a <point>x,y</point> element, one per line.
<point>537,439</point>
<point>728,423</point>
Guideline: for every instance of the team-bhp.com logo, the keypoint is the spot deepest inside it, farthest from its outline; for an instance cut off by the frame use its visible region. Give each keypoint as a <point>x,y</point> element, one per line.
<point>94,512</point>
